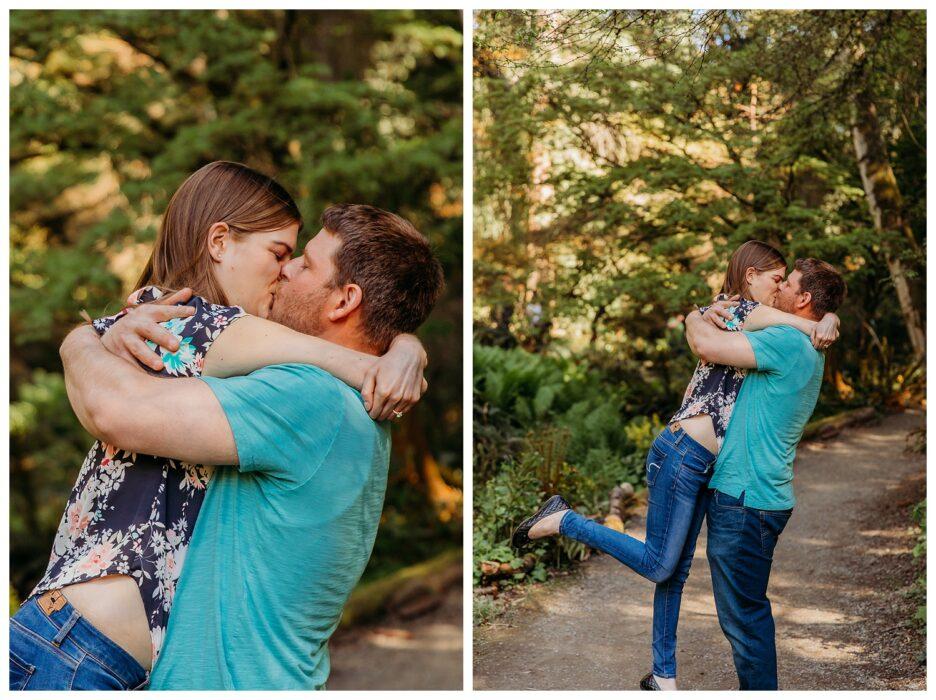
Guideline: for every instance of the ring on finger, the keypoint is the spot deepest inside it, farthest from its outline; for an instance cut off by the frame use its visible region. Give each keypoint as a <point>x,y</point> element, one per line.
<point>397,414</point>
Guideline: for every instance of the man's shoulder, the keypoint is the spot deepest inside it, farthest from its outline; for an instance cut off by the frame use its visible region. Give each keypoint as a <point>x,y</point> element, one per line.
<point>782,350</point>
<point>786,337</point>
<point>309,384</point>
<point>296,372</point>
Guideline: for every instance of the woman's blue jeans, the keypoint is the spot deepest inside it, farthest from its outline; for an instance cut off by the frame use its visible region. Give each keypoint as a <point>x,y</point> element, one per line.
<point>678,472</point>
<point>63,651</point>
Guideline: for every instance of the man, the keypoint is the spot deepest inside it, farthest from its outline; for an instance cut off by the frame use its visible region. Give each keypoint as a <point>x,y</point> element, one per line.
<point>750,496</point>
<point>281,539</point>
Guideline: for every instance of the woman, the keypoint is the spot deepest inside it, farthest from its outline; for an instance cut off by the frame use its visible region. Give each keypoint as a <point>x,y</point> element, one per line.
<point>682,456</point>
<point>97,618</point>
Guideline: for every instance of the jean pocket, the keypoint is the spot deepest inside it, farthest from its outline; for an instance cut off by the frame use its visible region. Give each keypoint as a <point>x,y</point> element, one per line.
<point>700,468</point>
<point>20,672</point>
<point>723,500</point>
<point>772,524</point>
<point>653,471</point>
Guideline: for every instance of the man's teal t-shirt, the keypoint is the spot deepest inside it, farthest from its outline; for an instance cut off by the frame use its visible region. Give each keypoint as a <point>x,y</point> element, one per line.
<point>773,407</point>
<point>281,539</point>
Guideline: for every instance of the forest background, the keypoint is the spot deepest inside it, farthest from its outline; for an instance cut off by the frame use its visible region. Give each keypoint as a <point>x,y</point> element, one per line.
<point>112,110</point>
<point>620,157</point>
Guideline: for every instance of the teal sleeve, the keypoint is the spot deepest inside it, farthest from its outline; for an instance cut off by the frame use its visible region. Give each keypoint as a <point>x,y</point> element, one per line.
<point>284,418</point>
<point>775,348</point>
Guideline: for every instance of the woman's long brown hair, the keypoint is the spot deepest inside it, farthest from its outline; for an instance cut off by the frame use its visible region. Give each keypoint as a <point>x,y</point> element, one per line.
<point>757,254</point>
<point>246,200</point>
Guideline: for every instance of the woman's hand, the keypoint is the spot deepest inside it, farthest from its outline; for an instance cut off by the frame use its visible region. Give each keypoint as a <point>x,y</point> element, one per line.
<point>719,311</point>
<point>826,331</point>
<point>126,338</point>
<point>395,383</point>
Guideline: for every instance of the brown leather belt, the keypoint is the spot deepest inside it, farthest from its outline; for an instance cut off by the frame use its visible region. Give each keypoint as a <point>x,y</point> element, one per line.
<point>52,601</point>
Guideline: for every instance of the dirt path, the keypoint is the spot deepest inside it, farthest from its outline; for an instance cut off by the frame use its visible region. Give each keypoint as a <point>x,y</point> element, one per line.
<point>420,654</point>
<point>838,586</point>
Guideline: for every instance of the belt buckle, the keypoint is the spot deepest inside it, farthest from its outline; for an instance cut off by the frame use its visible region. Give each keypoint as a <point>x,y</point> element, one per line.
<point>52,601</point>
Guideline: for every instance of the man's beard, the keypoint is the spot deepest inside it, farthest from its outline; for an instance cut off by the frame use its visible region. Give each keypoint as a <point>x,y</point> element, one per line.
<point>784,303</point>
<point>301,312</point>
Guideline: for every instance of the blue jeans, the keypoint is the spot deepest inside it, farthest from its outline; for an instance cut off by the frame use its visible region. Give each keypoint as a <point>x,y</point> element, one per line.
<point>678,471</point>
<point>740,549</point>
<point>63,651</point>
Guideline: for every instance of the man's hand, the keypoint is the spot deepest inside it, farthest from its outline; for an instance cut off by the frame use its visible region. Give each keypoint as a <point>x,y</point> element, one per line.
<point>719,312</point>
<point>395,382</point>
<point>826,331</point>
<point>127,337</point>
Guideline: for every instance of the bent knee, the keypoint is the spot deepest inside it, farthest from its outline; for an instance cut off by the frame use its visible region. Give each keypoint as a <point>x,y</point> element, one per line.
<point>663,572</point>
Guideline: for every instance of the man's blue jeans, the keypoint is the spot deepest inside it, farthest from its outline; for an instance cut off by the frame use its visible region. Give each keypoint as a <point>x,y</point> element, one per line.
<point>740,549</point>
<point>63,651</point>
<point>678,471</point>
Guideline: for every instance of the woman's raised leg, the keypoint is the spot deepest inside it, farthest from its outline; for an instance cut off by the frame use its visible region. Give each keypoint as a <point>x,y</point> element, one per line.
<point>678,470</point>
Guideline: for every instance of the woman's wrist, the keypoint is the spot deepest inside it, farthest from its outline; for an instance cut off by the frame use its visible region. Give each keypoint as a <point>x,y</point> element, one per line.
<point>408,343</point>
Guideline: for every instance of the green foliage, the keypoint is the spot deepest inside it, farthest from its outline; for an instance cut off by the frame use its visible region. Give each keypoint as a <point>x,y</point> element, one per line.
<point>546,425</point>
<point>110,110</point>
<point>621,156</point>
<point>501,503</point>
<point>484,609</point>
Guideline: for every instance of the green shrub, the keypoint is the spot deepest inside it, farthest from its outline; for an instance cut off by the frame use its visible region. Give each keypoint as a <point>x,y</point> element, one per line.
<point>546,425</point>
<point>485,608</point>
<point>501,504</point>
<point>517,392</point>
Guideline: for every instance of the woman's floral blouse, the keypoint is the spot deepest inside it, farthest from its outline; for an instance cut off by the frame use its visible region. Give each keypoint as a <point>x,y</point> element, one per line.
<point>714,388</point>
<point>133,513</point>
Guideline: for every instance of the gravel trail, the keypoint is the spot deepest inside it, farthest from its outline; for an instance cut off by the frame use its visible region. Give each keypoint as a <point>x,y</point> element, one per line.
<point>838,588</point>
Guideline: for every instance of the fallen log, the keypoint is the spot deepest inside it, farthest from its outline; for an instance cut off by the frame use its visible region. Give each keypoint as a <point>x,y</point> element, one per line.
<point>829,427</point>
<point>614,520</point>
<point>619,496</point>
<point>406,591</point>
<point>501,569</point>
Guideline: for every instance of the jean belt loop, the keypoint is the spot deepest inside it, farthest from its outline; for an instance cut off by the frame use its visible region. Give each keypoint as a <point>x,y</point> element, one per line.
<point>677,431</point>
<point>66,628</point>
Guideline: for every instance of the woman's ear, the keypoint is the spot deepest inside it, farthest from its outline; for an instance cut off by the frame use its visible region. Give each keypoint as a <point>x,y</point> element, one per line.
<point>749,275</point>
<point>350,300</point>
<point>217,240</point>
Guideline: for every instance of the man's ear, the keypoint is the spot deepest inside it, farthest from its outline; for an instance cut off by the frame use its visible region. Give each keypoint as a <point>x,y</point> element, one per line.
<point>217,240</point>
<point>803,299</point>
<point>349,301</point>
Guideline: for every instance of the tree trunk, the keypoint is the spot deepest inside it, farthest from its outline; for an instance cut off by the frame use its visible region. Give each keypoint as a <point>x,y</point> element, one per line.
<point>886,207</point>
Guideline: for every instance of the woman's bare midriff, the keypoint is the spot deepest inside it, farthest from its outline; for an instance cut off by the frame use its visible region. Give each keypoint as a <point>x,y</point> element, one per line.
<point>701,429</point>
<point>114,606</point>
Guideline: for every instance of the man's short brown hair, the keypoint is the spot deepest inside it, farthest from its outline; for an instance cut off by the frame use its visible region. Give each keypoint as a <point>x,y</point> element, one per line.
<point>391,262</point>
<point>824,284</point>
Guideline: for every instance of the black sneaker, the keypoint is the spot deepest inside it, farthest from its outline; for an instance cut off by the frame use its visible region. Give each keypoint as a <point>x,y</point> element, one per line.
<point>648,682</point>
<point>520,536</point>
